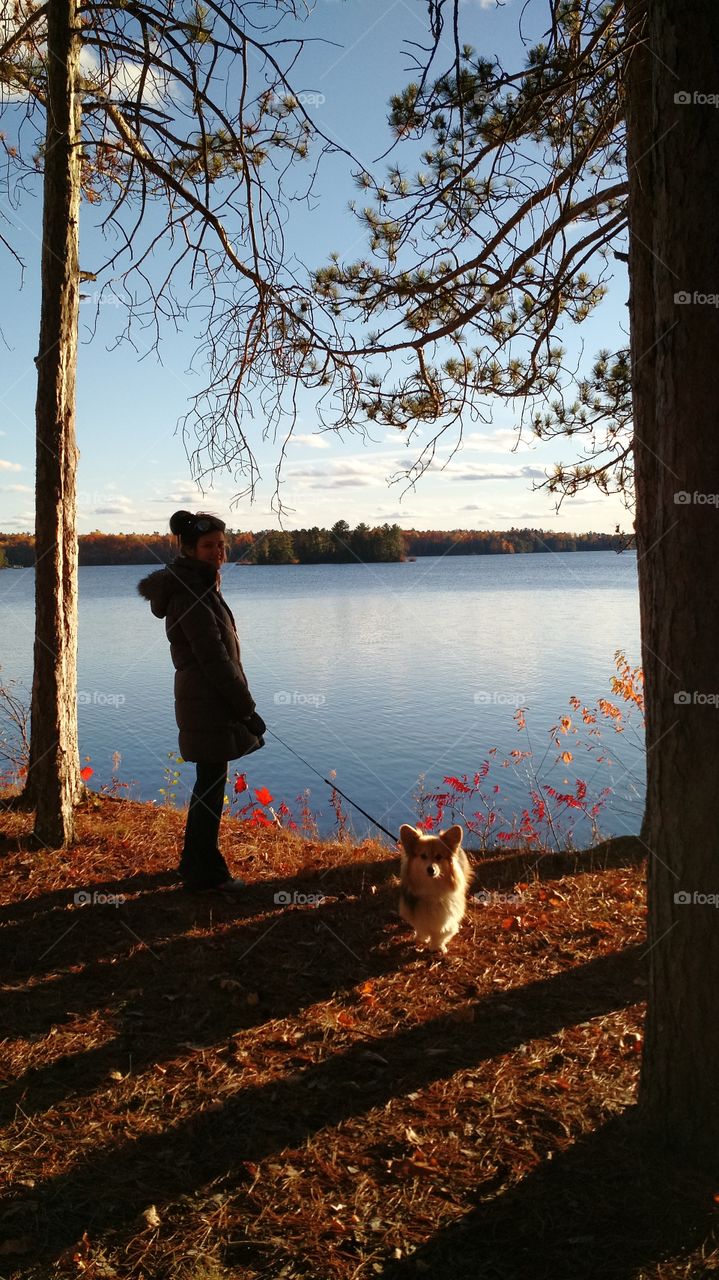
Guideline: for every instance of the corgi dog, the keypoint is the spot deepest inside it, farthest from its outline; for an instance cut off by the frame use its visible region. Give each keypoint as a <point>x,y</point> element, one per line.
<point>434,878</point>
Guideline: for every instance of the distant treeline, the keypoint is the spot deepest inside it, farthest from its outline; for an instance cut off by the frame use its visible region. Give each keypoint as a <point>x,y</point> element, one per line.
<point>338,545</point>
<point>473,542</point>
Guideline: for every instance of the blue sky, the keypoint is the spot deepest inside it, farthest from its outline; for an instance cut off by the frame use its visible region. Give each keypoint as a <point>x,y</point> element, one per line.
<point>133,469</point>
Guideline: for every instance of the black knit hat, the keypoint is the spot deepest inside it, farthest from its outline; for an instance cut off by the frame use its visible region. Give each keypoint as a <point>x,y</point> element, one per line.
<point>189,526</point>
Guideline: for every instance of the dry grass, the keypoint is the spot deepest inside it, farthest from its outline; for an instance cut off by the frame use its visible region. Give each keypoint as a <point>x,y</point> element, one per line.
<point>198,1088</point>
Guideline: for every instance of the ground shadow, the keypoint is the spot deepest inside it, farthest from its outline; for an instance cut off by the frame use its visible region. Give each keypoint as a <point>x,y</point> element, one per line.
<point>172,948</point>
<point>257,1121</point>
<point>496,870</point>
<point>607,1206</point>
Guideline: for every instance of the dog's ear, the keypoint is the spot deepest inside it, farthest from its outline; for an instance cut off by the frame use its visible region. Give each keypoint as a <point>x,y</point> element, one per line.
<point>409,837</point>
<point>452,838</point>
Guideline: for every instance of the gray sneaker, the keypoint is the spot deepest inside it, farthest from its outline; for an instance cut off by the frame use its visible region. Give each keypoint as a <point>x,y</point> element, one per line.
<point>233,885</point>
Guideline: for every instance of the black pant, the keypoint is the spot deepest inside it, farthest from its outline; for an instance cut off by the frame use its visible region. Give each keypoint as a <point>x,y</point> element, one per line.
<point>202,866</point>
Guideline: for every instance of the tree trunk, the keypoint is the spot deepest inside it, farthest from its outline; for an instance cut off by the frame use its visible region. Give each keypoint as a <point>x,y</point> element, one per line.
<point>54,783</point>
<point>673,153</point>
<point>640,138</point>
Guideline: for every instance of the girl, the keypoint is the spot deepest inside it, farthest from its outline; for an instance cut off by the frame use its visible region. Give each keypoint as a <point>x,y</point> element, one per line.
<point>214,709</point>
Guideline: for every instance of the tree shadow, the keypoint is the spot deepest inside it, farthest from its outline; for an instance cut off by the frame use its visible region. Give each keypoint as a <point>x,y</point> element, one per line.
<point>33,908</point>
<point>257,1121</point>
<point>37,925</point>
<point>497,870</point>
<point>37,905</point>
<point>132,963</point>
<point>609,1205</point>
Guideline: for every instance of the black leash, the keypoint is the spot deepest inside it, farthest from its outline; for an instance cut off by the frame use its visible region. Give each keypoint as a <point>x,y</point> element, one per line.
<point>334,786</point>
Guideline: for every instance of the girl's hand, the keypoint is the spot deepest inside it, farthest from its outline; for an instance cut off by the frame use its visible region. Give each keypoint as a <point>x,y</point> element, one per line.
<point>255,724</point>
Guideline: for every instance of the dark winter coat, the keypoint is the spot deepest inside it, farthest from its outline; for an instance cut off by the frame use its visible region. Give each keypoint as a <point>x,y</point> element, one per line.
<point>211,692</point>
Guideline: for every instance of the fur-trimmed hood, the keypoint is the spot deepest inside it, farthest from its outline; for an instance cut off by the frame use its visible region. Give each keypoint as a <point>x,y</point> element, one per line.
<point>184,574</point>
<point>212,699</point>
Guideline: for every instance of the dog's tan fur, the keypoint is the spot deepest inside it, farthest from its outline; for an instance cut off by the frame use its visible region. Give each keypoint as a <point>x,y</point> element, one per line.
<point>434,878</point>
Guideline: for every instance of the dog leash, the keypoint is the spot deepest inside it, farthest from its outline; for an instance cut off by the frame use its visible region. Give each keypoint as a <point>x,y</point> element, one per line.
<point>334,786</point>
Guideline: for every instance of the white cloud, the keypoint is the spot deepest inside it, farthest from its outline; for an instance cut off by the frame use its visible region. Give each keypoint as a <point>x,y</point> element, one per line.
<point>330,474</point>
<point>503,440</point>
<point>104,501</point>
<point>312,441</point>
<point>484,471</point>
<point>17,488</point>
<point>396,515</point>
<point>9,466</point>
<point>180,498</point>
<point>515,516</point>
<point>26,520</point>
<point>124,79</point>
<point>346,482</point>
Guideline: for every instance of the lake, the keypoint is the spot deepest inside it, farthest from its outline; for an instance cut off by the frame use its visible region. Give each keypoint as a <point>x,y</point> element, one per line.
<point>380,672</point>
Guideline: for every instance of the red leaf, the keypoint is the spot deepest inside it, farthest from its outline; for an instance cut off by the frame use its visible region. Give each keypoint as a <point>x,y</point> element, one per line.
<point>457,784</point>
<point>259,819</point>
<point>263,795</point>
<point>240,783</point>
<point>86,773</point>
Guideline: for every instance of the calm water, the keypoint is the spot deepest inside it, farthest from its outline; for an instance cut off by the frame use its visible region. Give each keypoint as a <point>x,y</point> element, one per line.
<point>382,673</point>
